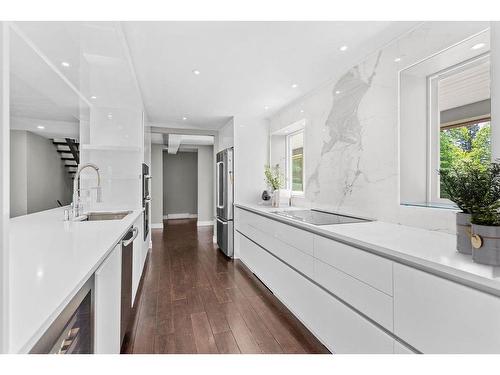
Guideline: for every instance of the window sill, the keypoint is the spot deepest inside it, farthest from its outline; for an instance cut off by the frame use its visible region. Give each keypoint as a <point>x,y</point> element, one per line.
<point>443,206</point>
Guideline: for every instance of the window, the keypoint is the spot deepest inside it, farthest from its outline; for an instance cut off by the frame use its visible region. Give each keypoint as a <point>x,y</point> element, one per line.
<point>460,113</point>
<point>295,162</point>
<point>444,118</point>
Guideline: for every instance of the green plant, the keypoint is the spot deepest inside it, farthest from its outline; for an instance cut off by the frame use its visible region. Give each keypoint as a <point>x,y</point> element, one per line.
<point>475,189</point>
<point>274,177</point>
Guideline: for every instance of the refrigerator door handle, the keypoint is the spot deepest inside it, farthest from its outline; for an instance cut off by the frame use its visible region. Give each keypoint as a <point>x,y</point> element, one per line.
<point>221,221</point>
<point>220,202</point>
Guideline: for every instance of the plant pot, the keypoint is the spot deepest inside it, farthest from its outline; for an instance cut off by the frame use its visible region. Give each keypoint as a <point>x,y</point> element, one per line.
<point>486,244</point>
<point>464,229</point>
<point>275,199</point>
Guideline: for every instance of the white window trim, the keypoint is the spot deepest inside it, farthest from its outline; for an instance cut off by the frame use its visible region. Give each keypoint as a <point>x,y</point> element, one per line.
<point>295,193</point>
<point>434,129</point>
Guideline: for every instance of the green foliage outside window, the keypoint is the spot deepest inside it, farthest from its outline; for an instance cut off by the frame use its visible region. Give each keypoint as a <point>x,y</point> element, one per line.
<point>469,144</point>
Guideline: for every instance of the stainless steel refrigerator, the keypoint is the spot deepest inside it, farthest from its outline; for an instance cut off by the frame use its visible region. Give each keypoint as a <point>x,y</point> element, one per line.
<point>224,201</point>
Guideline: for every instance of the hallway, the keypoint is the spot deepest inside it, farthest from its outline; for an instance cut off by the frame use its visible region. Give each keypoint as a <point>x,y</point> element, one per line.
<point>194,300</point>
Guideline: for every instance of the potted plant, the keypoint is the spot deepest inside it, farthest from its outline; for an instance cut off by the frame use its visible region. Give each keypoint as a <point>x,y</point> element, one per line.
<point>469,186</point>
<point>485,238</point>
<point>275,181</point>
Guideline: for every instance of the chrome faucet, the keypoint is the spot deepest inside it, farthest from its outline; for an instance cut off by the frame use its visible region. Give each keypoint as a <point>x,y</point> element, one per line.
<point>76,187</point>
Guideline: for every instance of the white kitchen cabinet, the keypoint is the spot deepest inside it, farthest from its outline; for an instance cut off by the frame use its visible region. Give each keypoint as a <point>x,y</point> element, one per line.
<point>401,349</point>
<point>292,236</point>
<point>340,328</point>
<point>108,304</point>
<point>138,257</point>
<point>372,302</point>
<point>289,254</point>
<point>364,266</point>
<point>436,315</point>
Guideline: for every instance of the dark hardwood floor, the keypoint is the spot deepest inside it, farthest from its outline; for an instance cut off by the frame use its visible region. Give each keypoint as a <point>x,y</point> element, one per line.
<point>195,300</point>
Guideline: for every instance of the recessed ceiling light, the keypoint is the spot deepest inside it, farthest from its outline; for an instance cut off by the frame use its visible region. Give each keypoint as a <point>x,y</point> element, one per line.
<point>41,127</point>
<point>110,116</point>
<point>93,97</point>
<point>397,59</point>
<point>66,64</point>
<point>338,92</point>
<point>478,46</point>
<point>196,72</point>
<point>266,107</point>
<point>184,118</point>
<point>343,48</point>
<point>301,111</point>
<point>294,85</point>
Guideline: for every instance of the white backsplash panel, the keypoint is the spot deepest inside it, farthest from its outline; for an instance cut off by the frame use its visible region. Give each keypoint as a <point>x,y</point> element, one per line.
<point>351,134</point>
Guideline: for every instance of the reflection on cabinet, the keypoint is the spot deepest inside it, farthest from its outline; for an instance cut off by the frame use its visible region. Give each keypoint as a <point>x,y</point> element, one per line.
<point>108,304</point>
<point>436,315</point>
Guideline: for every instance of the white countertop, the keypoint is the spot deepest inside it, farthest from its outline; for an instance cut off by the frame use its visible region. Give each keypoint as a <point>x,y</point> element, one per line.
<point>431,251</point>
<point>50,260</point>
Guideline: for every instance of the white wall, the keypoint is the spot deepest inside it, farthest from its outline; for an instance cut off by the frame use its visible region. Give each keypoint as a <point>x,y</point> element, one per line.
<point>18,173</point>
<point>225,136</point>
<point>251,154</point>
<point>38,175</point>
<point>205,185</point>
<point>180,183</point>
<point>157,186</point>
<point>4,185</point>
<point>351,138</point>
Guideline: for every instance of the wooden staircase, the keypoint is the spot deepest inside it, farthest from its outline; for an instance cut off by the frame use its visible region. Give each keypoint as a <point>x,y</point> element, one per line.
<point>70,154</point>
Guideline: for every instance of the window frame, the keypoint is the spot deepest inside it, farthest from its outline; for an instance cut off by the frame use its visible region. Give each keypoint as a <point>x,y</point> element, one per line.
<point>434,128</point>
<point>289,182</point>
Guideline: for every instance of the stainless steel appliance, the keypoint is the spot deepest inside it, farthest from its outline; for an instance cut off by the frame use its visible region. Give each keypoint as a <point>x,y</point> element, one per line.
<point>224,201</point>
<point>126,300</point>
<point>72,331</point>
<point>146,197</point>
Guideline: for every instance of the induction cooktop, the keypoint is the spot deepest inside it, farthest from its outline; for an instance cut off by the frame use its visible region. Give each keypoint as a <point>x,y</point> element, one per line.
<point>317,217</point>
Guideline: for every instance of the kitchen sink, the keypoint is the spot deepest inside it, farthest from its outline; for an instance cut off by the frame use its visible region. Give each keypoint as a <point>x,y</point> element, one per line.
<point>99,216</point>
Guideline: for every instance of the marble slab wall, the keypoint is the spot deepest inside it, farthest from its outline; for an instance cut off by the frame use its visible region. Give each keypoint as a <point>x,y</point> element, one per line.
<point>351,136</point>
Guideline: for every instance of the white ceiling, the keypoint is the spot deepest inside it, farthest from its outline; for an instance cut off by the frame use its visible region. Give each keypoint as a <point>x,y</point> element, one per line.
<point>244,66</point>
<point>465,87</point>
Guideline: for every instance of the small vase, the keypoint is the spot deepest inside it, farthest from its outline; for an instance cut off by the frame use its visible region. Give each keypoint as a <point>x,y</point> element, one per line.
<point>486,244</point>
<point>463,233</point>
<point>275,200</point>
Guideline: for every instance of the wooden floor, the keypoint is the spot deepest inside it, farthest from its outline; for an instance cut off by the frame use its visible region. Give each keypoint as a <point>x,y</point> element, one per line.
<point>195,300</point>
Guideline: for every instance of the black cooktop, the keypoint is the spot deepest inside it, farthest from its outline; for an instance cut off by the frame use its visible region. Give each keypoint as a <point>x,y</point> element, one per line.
<point>319,217</point>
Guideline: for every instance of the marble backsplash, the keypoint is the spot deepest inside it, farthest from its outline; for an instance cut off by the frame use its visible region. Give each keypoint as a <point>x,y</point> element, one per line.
<point>351,134</point>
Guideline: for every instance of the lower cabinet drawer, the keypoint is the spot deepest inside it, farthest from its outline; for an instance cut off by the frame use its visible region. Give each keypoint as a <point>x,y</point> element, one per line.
<point>292,236</point>
<point>370,301</point>
<point>435,315</point>
<point>289,254</point>
<point>369,268</point>
<point>340,328</point>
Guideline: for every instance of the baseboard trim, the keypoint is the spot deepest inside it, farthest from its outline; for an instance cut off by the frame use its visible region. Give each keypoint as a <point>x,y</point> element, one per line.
<point>180,216</point>
<point>157,226</point>
<point>202,223</point>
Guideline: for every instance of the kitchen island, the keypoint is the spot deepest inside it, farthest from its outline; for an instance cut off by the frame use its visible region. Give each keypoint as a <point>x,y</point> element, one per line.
<point>50,260</point>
